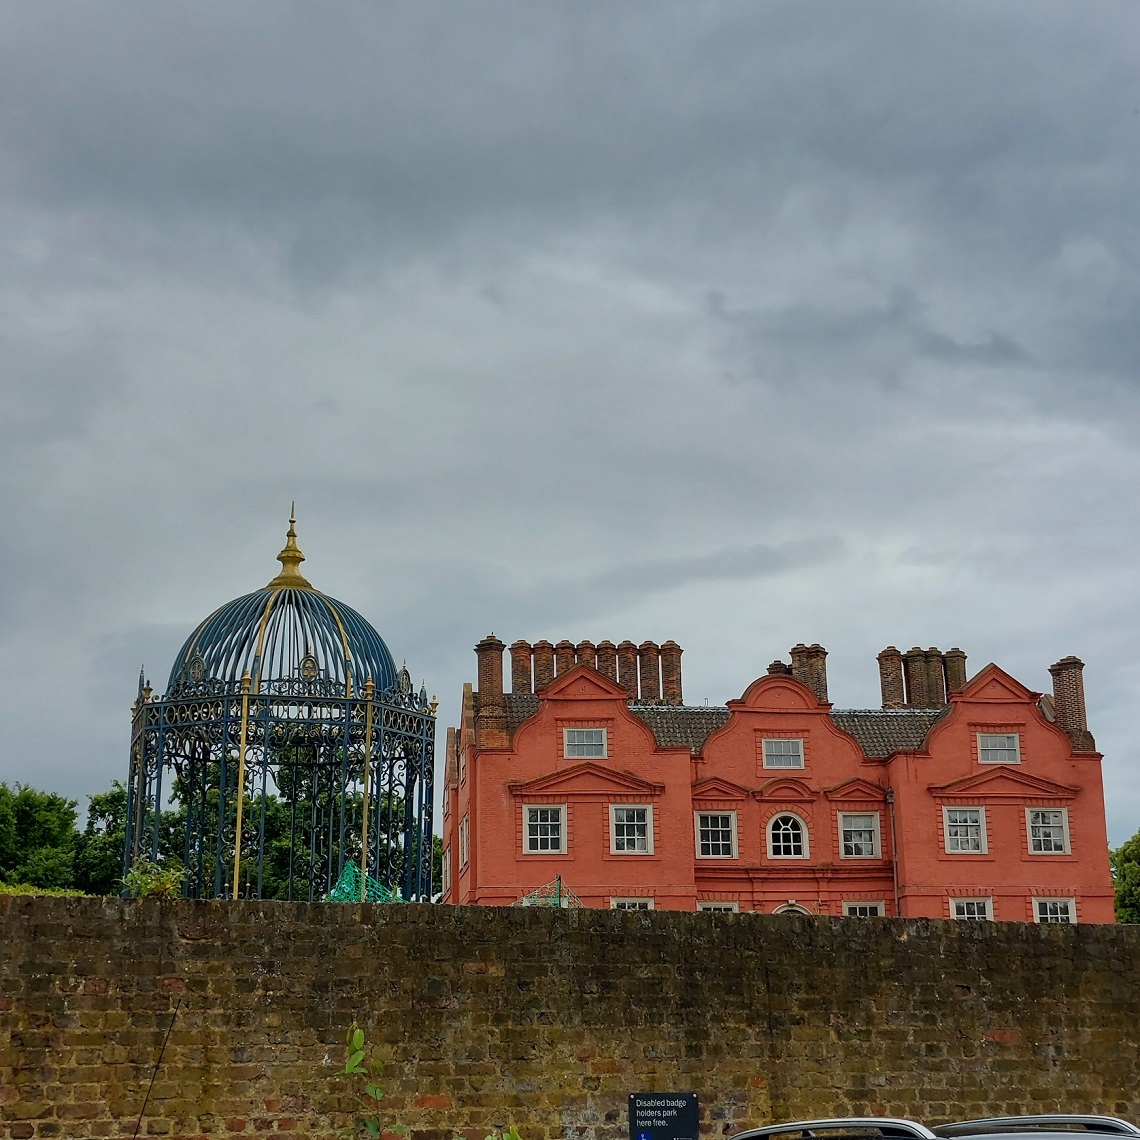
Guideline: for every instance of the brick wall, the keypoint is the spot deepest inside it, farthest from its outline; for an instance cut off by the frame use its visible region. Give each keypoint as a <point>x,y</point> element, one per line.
<point>547,1019</point>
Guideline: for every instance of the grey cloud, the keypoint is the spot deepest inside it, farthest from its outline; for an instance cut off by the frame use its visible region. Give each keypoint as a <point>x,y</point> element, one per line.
<point>807,340</point>
<point>466,284</point>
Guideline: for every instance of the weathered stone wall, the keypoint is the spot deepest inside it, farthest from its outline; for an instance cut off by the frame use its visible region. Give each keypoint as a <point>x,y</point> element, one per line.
<point>546,1019</point>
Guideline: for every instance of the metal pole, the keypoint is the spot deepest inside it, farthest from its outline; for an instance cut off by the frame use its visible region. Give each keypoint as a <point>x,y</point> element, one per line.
<point>368,689</point>
<point>245,681</point>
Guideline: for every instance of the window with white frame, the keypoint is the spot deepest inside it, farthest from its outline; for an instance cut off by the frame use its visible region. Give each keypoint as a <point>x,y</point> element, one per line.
<point>781,753</point>
<point>972,910</point>
<point>716,835</point>
<point>787,837</point>
<point>859,835</point>
<point>965,830</point>
<point>1048,831</point>
<point>464,841</point>
<point>631,904</point>
<point>584,743</point>
<point>864,909</point>
<point>999,748</point>
<point>631,829</point>
<point>712,906</point>
<point>544,830</point>
<point>445,885</point>
<point>1055,910</point>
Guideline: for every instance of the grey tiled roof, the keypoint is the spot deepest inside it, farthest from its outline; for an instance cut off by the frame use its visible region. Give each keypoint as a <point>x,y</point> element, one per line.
<point>878,731</point>
<point>883,731</point>
<point>677,726</point>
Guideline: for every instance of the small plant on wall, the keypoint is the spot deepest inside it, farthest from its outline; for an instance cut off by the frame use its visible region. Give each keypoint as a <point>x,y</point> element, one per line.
<point>359,1063</point>
<point>148,879</point>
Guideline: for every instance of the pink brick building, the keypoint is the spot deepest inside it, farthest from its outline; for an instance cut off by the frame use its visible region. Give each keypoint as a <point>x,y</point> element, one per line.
<point>968,799</point>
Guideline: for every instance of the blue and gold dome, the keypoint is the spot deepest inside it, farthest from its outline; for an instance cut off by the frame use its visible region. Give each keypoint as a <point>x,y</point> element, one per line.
<point>286,632</point>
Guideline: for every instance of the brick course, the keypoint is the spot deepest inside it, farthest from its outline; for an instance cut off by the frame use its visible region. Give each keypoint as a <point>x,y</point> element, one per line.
<point>547,1019</point>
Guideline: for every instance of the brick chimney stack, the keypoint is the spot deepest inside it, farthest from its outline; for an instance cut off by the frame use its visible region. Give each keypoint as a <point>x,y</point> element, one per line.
<point>891,678</point>
<point>649,657</point>
<point>799,654</point>
<point>779,669</point>
<point>543,665</point>
<point>671,673</point>
<point>1069,702</point>
<point>817,670</point>
<point>563,657</point>
<point>935,678</point>
<point>586,653</point>
<point>627,668</point>
<point>955,663</point>
<point>607,660</point>
<point>491,720</point>
<point>520,667</point>
<point>914,669</point>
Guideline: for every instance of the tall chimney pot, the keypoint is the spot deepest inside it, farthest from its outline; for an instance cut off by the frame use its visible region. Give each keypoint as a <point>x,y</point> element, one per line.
<point>1069,702</point>
<point>649,657</point>
<point>543,665</point>
<point>520,667</point>
<point>627,668</point>
<point>671,673</point>
<point>891,678</point>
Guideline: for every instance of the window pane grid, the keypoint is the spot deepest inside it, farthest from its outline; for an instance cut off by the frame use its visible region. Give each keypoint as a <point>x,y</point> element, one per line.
<point>631,829</point>
<point>863,910</point>
<point>1047,832</point>
<point>998,748</point>
<point>783,753</point>
<point>964,830</point>
<point>544,829</point>
<point>585,742</point>
<point>859,835</point>
<point>1054,910</point>
<point>972,910</point>
<point>787,836</point>
<point>715,834</point>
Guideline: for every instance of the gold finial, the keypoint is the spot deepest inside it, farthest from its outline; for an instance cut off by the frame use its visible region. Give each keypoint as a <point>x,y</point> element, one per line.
<point>434,704</point>
<point>291,558</point>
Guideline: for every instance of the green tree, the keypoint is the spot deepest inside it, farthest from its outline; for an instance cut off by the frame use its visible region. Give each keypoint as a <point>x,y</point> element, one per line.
<point>37,837</point>
<point>1126,876</point>
<point>99,850</point>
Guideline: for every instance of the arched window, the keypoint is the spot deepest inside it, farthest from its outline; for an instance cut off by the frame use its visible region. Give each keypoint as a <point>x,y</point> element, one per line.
<point>787,837</point>
<point>791,908</point>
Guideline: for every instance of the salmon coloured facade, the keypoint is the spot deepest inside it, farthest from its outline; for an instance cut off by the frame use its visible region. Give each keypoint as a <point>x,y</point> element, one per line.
<point>591,780</point>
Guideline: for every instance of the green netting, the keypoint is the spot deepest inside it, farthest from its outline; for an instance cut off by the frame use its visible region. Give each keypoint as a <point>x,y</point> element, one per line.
<point>553,894</point>
<point>347,888</point>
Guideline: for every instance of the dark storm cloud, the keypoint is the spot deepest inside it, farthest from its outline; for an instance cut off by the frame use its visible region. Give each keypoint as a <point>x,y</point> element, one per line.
<point>803,336</point>
<point>739,324</point>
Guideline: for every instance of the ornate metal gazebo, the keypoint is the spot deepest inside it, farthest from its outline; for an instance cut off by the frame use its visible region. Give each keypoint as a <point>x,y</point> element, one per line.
<point>285,746</point>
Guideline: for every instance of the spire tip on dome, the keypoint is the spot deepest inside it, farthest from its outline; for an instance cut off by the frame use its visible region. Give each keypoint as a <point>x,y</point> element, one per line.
<point>291,558</point>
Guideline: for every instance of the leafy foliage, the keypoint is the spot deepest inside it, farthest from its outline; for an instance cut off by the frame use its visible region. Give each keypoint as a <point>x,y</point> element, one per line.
<point>359,1063</point>
<point>1126,875</point>
<point>37,837</point>
<point>148,879</point>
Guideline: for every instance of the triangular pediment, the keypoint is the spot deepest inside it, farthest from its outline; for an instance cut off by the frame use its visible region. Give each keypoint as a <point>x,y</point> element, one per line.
<point>1005,782</point>
<point>584,781</point>
<point>718,789</point>
<point>994,684</point>
<point>856,790</point>
<point>582,683</point>
<point>785,790</point>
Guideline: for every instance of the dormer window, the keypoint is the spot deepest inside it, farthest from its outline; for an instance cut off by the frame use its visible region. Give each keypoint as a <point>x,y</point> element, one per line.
<point>585,743</point>
<point>999,748</point>
<point>782,753</point>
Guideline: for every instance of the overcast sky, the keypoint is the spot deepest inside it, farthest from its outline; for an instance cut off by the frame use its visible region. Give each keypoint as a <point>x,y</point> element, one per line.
<point>735,323</point>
